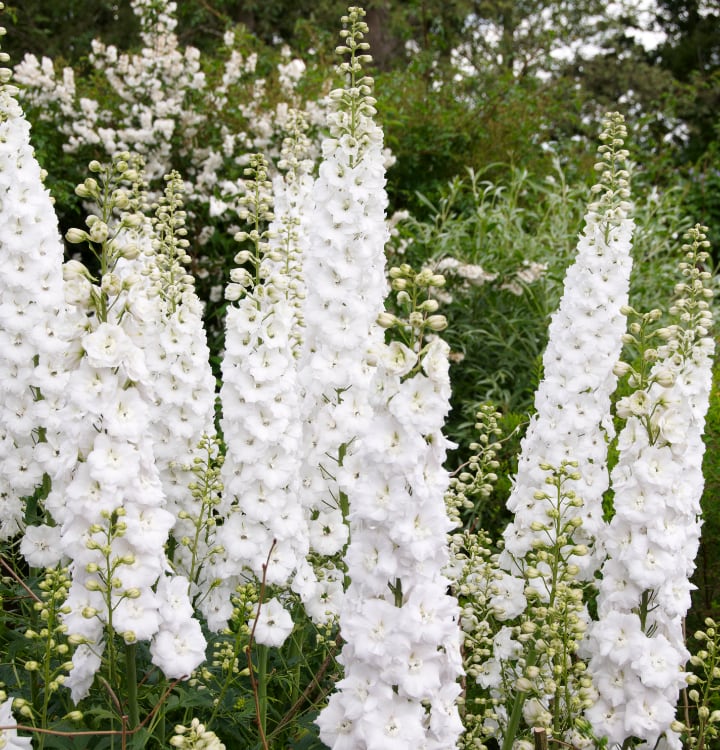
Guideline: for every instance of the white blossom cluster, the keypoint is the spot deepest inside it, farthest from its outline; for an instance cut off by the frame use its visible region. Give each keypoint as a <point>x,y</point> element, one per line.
<point>344,268</point>
<point>263,531</point>
<point>572,402</point>
<point>163,316</point>
<point>107,500</point>
<point>31,303</point>
<point>167,105</point>
<point>402,652</point>
<point>374,414</point>
<point>562,475</point>
<point>637,647</point>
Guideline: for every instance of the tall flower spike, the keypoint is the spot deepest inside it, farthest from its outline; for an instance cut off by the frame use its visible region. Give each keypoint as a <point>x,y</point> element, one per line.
<point>653,537</point>
<point>263,526</point>
<point>402,639</point>
<point>550,543</point>
<point>572,403</point>
<point>164,318</point>
<point>108,500</point>
<point>344,269</point>
<point>290,228</point>
<point>31,308</point>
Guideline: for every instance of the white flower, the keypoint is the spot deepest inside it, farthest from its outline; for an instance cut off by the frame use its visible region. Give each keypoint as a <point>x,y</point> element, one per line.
<point>107,346</point>
<point>179,652</point>
<point>9,739</point>
<point>273,625</point>
<point>86,662</point>
<point>508,597</point>
<point>41,547</point>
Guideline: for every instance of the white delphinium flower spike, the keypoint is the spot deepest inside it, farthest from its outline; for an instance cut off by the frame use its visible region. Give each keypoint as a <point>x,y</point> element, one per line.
<point>108,501</point>
<point>263,532</point>
<point>556,500</point>
<point>164,319</point>
<point>31,308</point>
<point>344,270</point>
<point>375,434</point>
<point>654,534</point>
<point>585,339</point>
<point>400,626</point>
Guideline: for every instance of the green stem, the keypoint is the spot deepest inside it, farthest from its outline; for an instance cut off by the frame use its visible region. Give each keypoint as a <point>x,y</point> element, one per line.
<point>513,721</point>
<point>295,655</point>
<point>131,673</point>
<point>262,654</point>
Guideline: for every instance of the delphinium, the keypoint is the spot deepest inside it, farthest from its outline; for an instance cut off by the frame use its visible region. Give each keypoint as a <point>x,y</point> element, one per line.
<point>473,571</point>
<point>163,317</point>
<point>45,658</point>
<point>548,549</point>
<point>262,529</point>
<point>345,276</point>
<point>401,655</point>
<point>108,501</point>
<point>637,647</point>
<point>31,305</point>
<point>572,403</point>
<point>521,635</point>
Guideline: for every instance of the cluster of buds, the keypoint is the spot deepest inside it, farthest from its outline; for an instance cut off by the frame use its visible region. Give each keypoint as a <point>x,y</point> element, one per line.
<point>703,682</point>
<point>257,210</point>
<point>118,192</point>
<point>613,188</point>
<point>358,96</point>
<point>196,737</point>
<point>417,308</point>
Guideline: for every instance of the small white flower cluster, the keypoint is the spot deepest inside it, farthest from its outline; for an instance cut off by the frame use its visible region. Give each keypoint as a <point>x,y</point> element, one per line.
<point>31,302</point>
<point>585,338</point>
<point>474,275</point>
<point>167,103</point>
<point>637,647</point>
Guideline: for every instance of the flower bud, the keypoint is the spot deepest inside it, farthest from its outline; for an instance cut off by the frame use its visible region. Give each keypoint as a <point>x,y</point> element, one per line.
<point>74,269</point>
<point>130,251</point>
<point>664,377</point>
<point>437,323</point>
<point>233,292</point>
<point>99,232</point>
<point>111,284</point>
<point>74,236</point>
<point>621,369</point>
<point>429,305</point>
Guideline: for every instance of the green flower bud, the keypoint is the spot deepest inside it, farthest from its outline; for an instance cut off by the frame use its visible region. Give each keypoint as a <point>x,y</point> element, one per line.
<point>75,236</point>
